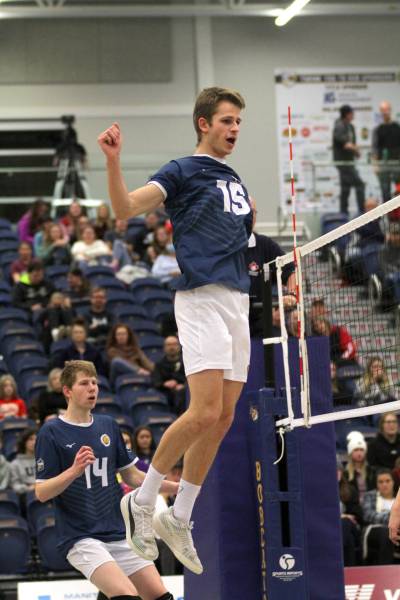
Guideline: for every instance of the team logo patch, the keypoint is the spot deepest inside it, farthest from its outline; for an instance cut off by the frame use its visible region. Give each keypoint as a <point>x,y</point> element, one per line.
<point>105,440</point>
<point>40,465</point>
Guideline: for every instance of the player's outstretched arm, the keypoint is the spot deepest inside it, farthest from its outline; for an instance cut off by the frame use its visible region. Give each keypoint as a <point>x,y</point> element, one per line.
<point>134,478</point>
<point>394,521</point>
<point>125,204</point>
<point>46,490</point>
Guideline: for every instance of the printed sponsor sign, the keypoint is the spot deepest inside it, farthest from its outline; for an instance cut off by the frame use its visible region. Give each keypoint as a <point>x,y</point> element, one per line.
<point>372,583</point>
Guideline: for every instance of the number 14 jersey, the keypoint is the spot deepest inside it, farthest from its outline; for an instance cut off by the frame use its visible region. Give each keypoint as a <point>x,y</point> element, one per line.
<point>89,506</point>
<point>212,220</point>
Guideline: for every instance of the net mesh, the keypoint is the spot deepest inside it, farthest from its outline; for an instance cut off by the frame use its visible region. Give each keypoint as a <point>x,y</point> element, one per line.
<point>350,293</point>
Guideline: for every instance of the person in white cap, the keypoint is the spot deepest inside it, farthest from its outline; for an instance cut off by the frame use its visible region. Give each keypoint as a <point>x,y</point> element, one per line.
<point>358,472</point>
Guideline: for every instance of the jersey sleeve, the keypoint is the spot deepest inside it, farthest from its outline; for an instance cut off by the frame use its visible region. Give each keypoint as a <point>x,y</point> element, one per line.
<point>168,179</point>
<point>125,458</point>
<point>46,456</point>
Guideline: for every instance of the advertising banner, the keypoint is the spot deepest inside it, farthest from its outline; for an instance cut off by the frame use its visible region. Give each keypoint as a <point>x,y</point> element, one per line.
<point>80,589</point>
<point>315,96</point>
<point>372,583</point>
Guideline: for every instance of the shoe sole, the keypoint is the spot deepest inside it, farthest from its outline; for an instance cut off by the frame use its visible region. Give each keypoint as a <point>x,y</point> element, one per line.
<point>127,518</point>
<point>163,533</point>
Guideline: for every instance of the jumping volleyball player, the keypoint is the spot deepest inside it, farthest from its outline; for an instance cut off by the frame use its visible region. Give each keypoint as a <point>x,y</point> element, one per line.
<point>77,458</point>
<point>210,212</point>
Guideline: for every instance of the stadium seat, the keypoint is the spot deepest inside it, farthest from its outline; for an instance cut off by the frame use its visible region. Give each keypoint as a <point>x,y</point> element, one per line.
<point>15,545</point>
<point>59,345</point>
<point>97,270</point>
<point>129,311</point>
<point>8,245</point>
<point>159,424</point>
<point>9,503</point>
<point>128,387</point>
<point>154,354</point>
<point>160,309</point>
<point>5,287</point>
<point>5,223</point>
<point>60,283</point>
<point>142,326</point>
<point>135,226</point>
<point>108,404</point>
<point>34,365</point>
<point>118,298</point>
<point>56,271</point>
<point>10,429</point>
<point>31,385</point>
<point>107,282</point>
<point>151,341</point>
<point>145,284</point>
<point>13,315</point>
<point>154,295</point>
<point>8,235</point>
<point>46,537</point>
<point>104,384</point>
<point>5,299</point>
<point>125,422</point>
<point>22,350</point>
<point>142,410</point>
<point>36,509</point>
<point>16,331</point>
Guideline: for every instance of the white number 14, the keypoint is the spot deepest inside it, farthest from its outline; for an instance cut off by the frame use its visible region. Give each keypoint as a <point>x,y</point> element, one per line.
<point>98,471</point>
<point>234,197</point>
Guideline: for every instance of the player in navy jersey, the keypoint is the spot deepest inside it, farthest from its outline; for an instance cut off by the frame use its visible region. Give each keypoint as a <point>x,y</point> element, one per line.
<point>77,458</point>
<point>211,217</point>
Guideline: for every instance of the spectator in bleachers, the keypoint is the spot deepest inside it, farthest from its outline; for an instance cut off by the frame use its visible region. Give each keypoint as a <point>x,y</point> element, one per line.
<point>351,519</point>
<point>103,221</point>
<point>51,402</point>
<point>376,507</point>
<point>165,266</point>
<point>342,347</point>
<point>41,237</point>
<point>143,444</point>
<point>162,239</point>
<point>342,393</point>
<point>33,294</point>
<point>79,349</point>
<point>390,265</point>
<point>371,233</point>
<point>122,250</point>
<point>78,285</point>
<point>124,353</point>
<point>386,147</point>
<point>318,309</point>
<point>89,250</point>
<point>145,237</point>
<point>21,264</point>
<point>376,385</point>
<point>56,319</point>
<point>5,469</point>
<point>56,250</point>
<point>384,449</point>
<point>358,472</point>
<point>169,375</point>
<point>98,319</point>
<point>70,220</point>
<point>11,405</point>
<point>29,223</point>
<point>23,465</point>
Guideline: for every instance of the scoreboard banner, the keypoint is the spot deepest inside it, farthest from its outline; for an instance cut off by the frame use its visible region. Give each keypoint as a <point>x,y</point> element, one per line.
<point>315,96</point>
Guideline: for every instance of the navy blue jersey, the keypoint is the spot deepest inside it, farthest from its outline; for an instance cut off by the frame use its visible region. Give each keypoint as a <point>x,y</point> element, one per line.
<point>89,506</point>
<point>211,217</point>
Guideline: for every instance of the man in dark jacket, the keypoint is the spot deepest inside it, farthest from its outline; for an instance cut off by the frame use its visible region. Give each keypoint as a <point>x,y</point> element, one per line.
<point>169,375</point>
<point>33,294</point>
<point>79,349</point>
<point>385,447</point>
<point>386,149</point>
<point>345,150</point>
<point>98,319</point>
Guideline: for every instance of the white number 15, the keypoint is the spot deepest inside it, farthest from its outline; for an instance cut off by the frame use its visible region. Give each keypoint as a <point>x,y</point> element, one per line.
<point>234,197</point>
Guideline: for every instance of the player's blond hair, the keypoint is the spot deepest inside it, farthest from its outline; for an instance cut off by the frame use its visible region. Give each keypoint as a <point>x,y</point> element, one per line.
<point>207,104</point>
<point>72,368</point>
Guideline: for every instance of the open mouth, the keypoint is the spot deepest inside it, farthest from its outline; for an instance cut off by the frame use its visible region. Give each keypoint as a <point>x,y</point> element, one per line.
<point>231,140</point>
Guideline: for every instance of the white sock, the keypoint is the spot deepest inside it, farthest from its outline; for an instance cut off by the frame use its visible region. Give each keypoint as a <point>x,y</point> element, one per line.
<point>185,500</point>
<point>148,491</point>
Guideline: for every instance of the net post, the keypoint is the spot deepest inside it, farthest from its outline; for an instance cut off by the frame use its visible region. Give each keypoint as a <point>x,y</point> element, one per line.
<point>267,327</point>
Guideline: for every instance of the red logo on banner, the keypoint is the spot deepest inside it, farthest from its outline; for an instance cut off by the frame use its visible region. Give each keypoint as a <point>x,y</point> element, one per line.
<point>372,583</point>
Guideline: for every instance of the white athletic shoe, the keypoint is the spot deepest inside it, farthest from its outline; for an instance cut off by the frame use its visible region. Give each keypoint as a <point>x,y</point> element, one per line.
<point>178,536</point>
<point>139,527</point>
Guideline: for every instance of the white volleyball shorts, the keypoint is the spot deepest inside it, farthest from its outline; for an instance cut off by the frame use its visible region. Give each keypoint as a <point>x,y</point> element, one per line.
<point>88,554</point>
<point>213,329</point>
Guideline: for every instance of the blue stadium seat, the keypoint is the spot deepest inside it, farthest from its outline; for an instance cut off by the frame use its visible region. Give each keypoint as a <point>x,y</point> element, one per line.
<point>16,331</point>
<point>34,365</point>
<point>108,404</point>
<point>129,397</point>
<point>15,545</point>
<point>155,354</point>
<point>46,536</point>
<point>159,309</point>
<point>8,235</point>
<point>127,384</point>
<point>13,315</point>
<point>135,226</point>
<point>16,350</point>
<point>104,384</point>
<point>8,245</point>
<point>118,298</point>
<point>125,422</point>
<point>99,270</point>
<point>134,311</point>
<point>392,282</point>
<point>159,424</point>
<point>5,299</point>
<point>31,384</point>
<point>154,295</point>
<point>5,287</point>
<point>107,282</point>
<point>145,284</point>
<point>36,509</point>
<point>60,283</point>
<point>10,429</point>
<point>56,271</point>
<point>370,259</point>
<point>5,223</point>
<point>142,326</point>
<point>59,345</point>
<point>142,410</point>
<point>9,503</point>
<point>151,341</point>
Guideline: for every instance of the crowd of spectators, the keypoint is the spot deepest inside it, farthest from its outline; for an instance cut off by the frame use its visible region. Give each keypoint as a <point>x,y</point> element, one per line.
<point>72,319</point>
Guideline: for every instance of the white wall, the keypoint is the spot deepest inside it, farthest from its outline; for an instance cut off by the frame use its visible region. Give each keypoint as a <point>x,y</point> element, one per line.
<point>156,117</point>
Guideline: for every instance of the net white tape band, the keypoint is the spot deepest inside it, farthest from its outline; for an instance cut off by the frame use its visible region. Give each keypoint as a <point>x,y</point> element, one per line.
<point>340,415</point>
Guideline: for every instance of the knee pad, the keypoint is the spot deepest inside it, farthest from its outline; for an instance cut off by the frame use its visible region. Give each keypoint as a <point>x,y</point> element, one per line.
<point>166,596</point>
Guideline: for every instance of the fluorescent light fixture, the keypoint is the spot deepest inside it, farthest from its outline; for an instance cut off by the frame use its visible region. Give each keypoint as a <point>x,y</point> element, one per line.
<point>291,11</point>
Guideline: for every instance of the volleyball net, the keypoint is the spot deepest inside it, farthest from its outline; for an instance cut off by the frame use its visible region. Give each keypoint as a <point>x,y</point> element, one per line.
<point>348,290</point>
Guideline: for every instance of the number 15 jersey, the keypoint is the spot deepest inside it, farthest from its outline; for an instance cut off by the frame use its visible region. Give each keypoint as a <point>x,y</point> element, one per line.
<point>89,506</point>
<point>212,220</point>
